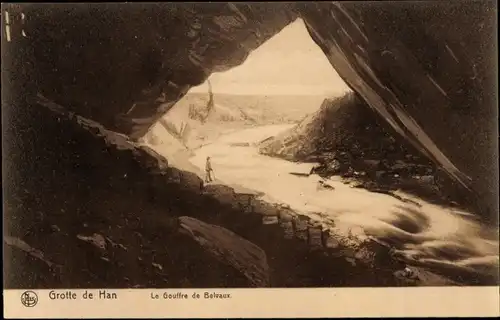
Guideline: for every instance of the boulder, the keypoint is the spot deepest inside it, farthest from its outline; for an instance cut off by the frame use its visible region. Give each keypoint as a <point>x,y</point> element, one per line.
<point>229,248</point>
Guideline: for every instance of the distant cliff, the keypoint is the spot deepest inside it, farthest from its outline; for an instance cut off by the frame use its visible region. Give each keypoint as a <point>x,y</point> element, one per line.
<point>347,139</point>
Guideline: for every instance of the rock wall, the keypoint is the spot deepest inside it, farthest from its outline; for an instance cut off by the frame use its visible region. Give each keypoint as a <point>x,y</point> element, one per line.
<point>80,212</point>
<point>347,139</point>
<point>322,130</point>
<point>428,69</point>
<point>158,50</point>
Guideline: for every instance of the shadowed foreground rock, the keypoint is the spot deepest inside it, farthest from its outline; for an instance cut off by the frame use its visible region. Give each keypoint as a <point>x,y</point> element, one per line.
<point>229,248</point>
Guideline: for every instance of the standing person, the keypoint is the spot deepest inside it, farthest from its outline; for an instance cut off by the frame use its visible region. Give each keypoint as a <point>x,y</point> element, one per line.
<point>208,171</point>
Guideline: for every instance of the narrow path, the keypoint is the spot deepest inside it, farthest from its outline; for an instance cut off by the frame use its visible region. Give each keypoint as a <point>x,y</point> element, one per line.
<point>426,234</point>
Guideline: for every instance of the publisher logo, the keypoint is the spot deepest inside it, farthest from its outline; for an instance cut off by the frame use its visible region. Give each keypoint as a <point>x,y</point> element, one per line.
<point>29,299</point>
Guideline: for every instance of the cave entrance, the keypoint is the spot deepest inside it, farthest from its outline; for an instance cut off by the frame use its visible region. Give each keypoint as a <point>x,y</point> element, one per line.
<point>287,103</point>
<point>281,82</point>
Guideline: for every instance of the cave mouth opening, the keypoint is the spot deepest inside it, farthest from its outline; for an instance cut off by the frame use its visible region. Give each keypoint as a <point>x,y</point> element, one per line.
<point>295,64</point>
<point>270,103</point>
<point>252,78</point>
<point>280,83</point>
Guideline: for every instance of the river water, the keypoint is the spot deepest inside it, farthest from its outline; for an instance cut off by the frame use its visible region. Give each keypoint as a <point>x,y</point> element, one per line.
<point>426,235</point>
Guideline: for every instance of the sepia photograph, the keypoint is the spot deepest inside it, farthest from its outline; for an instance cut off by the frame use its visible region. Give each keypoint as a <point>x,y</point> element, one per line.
<point>240,145</point>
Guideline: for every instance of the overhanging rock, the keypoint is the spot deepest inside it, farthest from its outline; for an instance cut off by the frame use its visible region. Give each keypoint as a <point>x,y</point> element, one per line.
<point>428,69</point>
<point>125,65</point>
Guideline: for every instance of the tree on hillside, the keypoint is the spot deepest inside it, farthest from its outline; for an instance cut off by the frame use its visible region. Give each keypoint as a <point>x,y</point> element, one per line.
<point>210,104</point>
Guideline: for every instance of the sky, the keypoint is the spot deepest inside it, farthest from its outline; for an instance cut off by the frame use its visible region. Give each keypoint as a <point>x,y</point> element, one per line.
<point>288,63</point>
